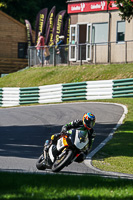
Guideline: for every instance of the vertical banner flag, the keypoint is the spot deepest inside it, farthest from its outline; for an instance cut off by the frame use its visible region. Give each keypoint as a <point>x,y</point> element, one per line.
<point>67,30</point>
<point>29,33</point>
<point>49,27</point>
<point>40,22</point>
<point>58,26</point>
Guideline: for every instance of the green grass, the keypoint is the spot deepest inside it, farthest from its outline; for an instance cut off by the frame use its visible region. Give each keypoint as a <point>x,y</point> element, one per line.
<point>72,187</point>
<point>38,76</point>
<point>117,155</point>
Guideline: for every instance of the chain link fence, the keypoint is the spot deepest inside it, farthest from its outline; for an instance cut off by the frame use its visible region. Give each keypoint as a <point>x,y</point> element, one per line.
<point>96,53</point>
<point>55,57</point>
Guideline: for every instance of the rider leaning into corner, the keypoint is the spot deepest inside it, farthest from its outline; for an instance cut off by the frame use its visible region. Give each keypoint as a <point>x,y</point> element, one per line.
<point>87,123</point>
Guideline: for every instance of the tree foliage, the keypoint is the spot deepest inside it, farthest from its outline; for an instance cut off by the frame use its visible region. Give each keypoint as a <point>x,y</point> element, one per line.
<point>24,9</point>
<point>126,9</point>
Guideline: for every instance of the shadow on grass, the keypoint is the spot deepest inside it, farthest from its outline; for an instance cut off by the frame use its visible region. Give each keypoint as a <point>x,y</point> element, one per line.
<point>26,186</point>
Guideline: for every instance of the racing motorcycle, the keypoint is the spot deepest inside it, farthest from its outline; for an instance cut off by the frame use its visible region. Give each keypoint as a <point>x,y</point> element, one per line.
<point>66,150</point>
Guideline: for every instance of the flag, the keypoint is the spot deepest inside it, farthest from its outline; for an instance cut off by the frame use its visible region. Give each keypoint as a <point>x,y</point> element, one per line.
<point>67,30</point>
<point>58,26</point>
<point>40,22</point>
<point>29,33</point>
<point>49,27</point>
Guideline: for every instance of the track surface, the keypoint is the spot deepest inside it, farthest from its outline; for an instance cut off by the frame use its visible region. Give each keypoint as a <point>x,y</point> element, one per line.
<point>23,131</point>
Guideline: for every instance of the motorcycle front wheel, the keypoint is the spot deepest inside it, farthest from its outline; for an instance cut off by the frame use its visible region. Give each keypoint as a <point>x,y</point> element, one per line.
<point>40,164</point>
<point>60,163</point>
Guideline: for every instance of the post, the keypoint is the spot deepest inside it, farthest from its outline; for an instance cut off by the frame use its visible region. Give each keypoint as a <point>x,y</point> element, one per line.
<point>42,56</point>
<point>80,48</point>
<point>29,56</point>
<point>95,54</point>
<point>54,56</point>
<point>125,51</point>
<point>68,62</point>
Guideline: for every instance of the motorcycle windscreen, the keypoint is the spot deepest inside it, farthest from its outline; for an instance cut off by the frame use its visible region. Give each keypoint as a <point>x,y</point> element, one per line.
<point>81,139</point>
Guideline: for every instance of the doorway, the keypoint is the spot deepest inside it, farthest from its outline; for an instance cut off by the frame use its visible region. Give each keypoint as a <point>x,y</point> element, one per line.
<point>81,41</point>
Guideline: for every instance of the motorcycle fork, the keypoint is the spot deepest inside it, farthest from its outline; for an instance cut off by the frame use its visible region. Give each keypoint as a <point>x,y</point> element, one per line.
<point>75,157</point>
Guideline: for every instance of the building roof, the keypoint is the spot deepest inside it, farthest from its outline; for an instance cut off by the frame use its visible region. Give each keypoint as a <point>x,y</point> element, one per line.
<point>12,19</point>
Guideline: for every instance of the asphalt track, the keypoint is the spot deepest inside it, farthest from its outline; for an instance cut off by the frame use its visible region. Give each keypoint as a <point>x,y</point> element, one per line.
<point>23,131</point>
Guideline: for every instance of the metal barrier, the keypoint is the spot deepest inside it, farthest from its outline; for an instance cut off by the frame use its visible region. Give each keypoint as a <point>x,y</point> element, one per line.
<point>74,91</point>
<point>90,90</point>
<point>123,88</point>
<point>57,56</point>
<point>107,52</point>
<point>29,95</point>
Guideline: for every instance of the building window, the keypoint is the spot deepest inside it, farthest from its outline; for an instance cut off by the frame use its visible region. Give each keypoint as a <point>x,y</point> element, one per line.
<point>100,33</point>
<point>22,50</point>
<point>120,31</point>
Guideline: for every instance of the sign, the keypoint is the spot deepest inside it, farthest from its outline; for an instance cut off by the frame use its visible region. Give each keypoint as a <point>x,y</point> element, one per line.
<point>29,33</point>
<point>40,22</point>
<point>58,26</point>
<point>91,7</point>
<point>49,27</point>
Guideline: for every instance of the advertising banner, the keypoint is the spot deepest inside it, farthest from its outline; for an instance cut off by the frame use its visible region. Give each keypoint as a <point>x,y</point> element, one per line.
<point>67,30</point>
<point>91,7</point>
<point>29,33</point>
<point>112,5</point>
<point>49,27</point>
<point>58,26</point>
<point>40,22</point>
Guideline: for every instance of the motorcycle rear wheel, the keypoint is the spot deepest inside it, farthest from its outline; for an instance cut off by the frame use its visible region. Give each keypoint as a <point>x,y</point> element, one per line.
<point>62,162</point>
<point>40,164</point>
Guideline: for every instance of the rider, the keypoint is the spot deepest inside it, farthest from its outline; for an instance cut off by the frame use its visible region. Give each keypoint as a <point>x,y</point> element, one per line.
<point>87,123</point>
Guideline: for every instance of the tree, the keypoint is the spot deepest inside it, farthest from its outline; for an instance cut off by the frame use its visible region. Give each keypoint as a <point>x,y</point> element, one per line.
<point>126,9</point>
<point>23,9</point>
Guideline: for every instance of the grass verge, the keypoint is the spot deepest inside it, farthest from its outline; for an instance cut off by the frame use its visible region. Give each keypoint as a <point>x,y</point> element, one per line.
<point>72,187</point>
<point>117,154</point>
<point>38,76</point>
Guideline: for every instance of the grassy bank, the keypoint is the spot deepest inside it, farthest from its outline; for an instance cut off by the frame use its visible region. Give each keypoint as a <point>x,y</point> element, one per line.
<point>39,76</point>
<point>72,187</point>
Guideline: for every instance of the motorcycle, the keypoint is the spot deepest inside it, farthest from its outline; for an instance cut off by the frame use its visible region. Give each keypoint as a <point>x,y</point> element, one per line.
<point>66,150</point>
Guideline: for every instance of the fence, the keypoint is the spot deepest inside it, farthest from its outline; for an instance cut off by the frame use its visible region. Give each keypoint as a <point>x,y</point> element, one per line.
<point>109,52</point>
<point>90,90</point>
<point>57,56</point>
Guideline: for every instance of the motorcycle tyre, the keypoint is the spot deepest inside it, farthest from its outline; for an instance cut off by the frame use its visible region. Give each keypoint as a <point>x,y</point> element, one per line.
<point>40,163</point>
<point>63,163</point>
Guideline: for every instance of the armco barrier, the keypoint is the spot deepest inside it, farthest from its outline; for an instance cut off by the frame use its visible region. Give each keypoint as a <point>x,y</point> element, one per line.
<point>10,97</point>
<point>74,91</point>
<point>29,95</point>
<point>90,90</point>
<point>99,89</point>
<point>50,93</point>
<point>123,88</point>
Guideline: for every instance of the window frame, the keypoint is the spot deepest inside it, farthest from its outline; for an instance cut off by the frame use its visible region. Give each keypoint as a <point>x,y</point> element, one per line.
<point>100,43</point>
<point>117,32</point>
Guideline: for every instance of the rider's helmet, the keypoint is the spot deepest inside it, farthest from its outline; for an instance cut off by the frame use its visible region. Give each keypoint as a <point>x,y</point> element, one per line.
<point>88,120</point>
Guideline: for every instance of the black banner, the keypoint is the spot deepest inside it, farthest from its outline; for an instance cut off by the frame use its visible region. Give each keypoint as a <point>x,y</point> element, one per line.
<point>49,27</point>
<point>58,26</point>
<point>29,33</point>
<point>40,22</point>
<point>67,30</point>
